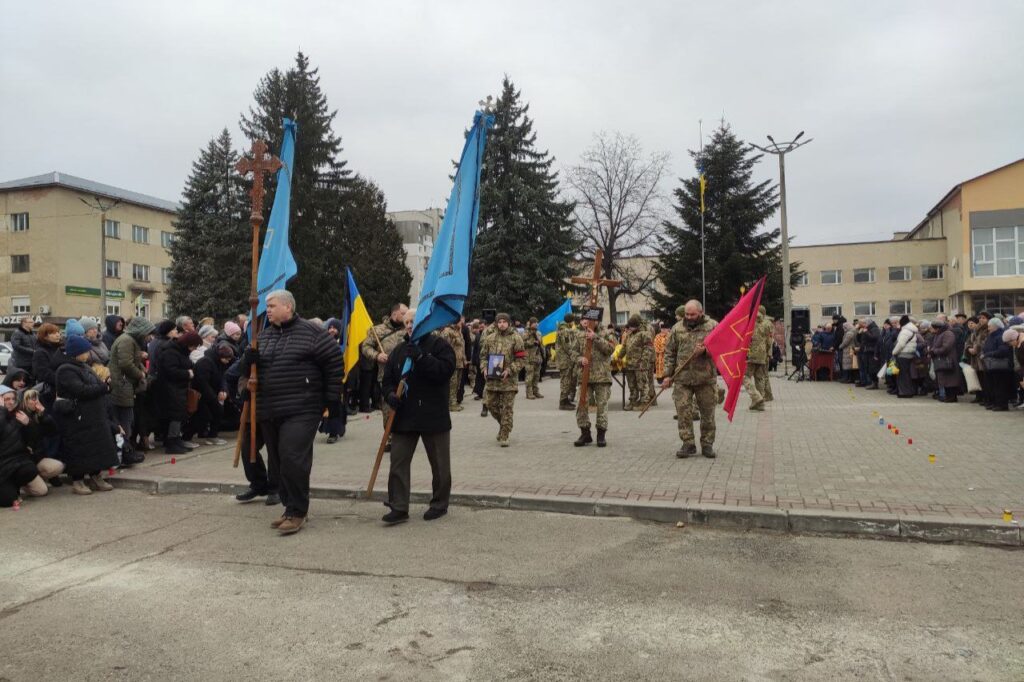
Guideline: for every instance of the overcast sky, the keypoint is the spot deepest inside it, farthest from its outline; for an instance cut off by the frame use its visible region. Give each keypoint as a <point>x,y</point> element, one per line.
<point>903,99</point>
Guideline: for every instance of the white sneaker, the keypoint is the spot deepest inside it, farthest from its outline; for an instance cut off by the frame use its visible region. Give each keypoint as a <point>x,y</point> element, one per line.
<point>215,441</point>
<point>191,445</point>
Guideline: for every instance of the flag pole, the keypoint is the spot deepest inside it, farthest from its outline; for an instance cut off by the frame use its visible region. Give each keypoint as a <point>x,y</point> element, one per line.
<point>700,190</point>
<point>679,369</point>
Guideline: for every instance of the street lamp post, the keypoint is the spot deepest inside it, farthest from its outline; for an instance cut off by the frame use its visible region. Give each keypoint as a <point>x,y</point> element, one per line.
<point>102,206</point>
<point>780,149</point>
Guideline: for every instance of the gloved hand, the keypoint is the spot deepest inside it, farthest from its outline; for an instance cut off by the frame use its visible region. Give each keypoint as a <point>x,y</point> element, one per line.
<point>251,355</point>
<point>333,409</point>
<point>413,351</point>
<point>393,401</point>
<point>243,396</point>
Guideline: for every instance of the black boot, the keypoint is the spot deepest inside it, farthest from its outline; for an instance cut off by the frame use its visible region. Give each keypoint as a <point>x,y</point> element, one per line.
<point>584,439</point>
<point>175,446</point>
<point>601,442</point>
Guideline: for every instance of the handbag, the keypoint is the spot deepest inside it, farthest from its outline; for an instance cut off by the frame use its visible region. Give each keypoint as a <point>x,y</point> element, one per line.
<point>192,403</point>
<point>944,362</point>
<point>997,364</point>
<point>892,369</point>
<point>971,377</point>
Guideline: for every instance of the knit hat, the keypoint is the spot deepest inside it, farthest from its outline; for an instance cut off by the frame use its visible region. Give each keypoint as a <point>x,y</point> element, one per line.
<point>77,345</point>
<point>73,328</point>
<point>996,323</point>
<point>681,311</point>
<point>164,327</point>
<point>4,390</point>
<point>503,316</point>
<point>225,350</point>
<point>230,328</point>
<point>569,318</point>
<point>207,330</point>
<point>88,324</point>
<point>190,340</point>
<point>1010,335</point>
<point>139,327</point>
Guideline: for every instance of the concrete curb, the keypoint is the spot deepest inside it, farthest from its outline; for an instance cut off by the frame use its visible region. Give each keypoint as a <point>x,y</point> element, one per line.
<point>799,521</point>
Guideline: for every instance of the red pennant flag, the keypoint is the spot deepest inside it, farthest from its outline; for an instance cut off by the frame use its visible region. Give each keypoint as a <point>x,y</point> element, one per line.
<point>729,342</point>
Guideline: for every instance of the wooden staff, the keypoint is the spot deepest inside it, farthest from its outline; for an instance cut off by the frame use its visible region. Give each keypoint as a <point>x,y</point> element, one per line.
<point>674,375</point>
<point>259,164</point>
<point>241,429</point>
<point>383,442</point>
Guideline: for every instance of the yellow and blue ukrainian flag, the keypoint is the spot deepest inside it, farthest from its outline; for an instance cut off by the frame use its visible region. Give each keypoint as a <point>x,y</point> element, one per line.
<point>356,321</point>
<point>548,327</point>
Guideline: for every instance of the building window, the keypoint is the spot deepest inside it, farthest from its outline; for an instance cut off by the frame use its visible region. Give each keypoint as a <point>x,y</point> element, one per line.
<point>19,263</point>
<point>933,271</point>
<point>113,307</point>
<point>166,310</point>
<point>831,276</point>
<point>140,273</point>
<point>166,239</point>
<point>621,317</point>
<point>900,273</point>
<point>113,268</point>
<point>899,307</point>
<point>1007,304</point>
<point>801,279</point>
<point>931,306</point>
<point>142,309</point>
<point>998,251</point>
<point>140,234</point>
<point>19,222</point>
<point>864,275</point>
<point>21,305</point>
<point>831,310</point>
<point>864,309</point>
<point>112,229</point>
<point>165,275</point>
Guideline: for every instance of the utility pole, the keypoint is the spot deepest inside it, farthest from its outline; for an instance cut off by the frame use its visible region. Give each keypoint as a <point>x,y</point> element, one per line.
<point>780,149</point>
<point>102,207</point>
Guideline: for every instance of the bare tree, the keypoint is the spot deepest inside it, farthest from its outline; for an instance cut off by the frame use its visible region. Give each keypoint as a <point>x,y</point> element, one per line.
<point>619,206</point>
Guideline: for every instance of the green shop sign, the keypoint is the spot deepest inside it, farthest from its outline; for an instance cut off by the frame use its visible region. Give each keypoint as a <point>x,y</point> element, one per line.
<point>92,291</point>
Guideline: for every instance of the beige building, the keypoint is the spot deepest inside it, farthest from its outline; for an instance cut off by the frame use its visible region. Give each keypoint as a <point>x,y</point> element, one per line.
<point>419,230</point>
<point>626,305</point>
<point>50,249</point>
<point>967,255</point>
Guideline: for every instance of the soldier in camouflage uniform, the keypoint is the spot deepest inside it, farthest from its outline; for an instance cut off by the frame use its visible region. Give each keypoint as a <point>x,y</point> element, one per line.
<point>534,347</point>
<point>500,391</point>
<point>599,385</point>
<point>769,331</point>
<point>453,335</point>
<point>635,349</point>
<point>647,363</point>
<point>757,363</point>
<point>567,353</point>
<point>696,381</point>
<point>379,343</point>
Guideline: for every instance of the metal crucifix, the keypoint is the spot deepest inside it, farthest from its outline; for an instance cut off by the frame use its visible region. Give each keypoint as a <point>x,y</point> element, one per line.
<point>595,282</point>
<point>258,165</point>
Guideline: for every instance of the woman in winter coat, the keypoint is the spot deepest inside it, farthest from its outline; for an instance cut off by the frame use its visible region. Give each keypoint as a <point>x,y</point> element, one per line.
<point>40,426</point>
<point>209,381</point>
<point>944,359</point>
<point>973,350</point>
<point>17,379</point>
<point>905,351</point>
<point>174,374</point>
<point>47,356</point>
<point>87,434</point>
<point>997,358</point>
<point>17,470</point>
<point>846,352</point>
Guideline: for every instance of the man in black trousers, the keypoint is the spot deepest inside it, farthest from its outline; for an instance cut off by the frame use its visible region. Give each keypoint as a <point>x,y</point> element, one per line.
<point>299,372</point>
<point>260,484</point>
<point>421,413</point>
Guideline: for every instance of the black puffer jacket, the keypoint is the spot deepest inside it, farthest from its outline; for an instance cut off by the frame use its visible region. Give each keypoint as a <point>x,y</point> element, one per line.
<point>13,452</point>
<point>23,345</point>
<point>172,382</point>
<point>300,370</point>
<point>424,407</point>
<point>87,438</point>
<point>44,361</point>
<point>209,374</point>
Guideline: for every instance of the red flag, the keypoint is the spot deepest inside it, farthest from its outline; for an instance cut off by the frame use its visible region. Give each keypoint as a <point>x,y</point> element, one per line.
<point>729,342</point>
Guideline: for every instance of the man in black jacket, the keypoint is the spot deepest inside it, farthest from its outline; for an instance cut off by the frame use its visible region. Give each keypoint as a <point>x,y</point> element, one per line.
<point>421,412</point>
<point>23,346</point>
<point>300,370</point>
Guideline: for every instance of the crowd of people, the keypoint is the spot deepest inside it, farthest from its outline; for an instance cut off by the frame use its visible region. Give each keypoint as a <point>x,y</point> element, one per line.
<point>981,355</point>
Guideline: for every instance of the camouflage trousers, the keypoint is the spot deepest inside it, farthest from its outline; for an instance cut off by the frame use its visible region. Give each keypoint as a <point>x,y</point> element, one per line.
<point>766,390</point>
<point>705,396</point>
<point>567,380</point>
<point>532,379</point>
<point>471,371</point>
<point>637,386</point>
<point>597,395</point>
<point>756,382</point>
<point>453,387</point>
<point>501,404</point>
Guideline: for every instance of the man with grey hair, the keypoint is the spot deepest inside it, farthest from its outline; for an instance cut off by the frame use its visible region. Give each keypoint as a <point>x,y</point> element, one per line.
<point>696,382</point>
<point>299,373</point>
<point>184,324</point>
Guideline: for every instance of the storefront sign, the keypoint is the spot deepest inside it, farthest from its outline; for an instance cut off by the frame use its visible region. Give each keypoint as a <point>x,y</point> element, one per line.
<point>92,291</point>
<point>16,319</point>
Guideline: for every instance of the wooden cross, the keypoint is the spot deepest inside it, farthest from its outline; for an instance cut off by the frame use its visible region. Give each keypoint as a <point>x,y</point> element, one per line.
<point>258,165</point>
<point>595,282</point>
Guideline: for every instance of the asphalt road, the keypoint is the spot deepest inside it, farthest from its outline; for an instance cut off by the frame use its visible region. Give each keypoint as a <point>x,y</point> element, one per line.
<point>126,586</point>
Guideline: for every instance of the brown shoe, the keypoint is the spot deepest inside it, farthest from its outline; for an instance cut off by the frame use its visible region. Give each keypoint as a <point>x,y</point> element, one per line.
<point>276,523</point>
<point>291,525</point>
<point>99,484</point>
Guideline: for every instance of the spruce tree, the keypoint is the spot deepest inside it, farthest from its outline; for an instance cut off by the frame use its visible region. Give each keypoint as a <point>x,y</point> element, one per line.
<point>525,241</point>
<point>207,276</point>
<point>319,181</point>
<point>373,248</point>
<point>738,248</point>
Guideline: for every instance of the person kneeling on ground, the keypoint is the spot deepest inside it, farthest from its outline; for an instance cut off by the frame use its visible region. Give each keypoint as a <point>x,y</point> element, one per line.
<point>17,470</point>
<point>421,413</point>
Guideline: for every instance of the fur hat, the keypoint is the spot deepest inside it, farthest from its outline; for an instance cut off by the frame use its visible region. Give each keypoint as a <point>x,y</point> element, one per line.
<point>76,345</point>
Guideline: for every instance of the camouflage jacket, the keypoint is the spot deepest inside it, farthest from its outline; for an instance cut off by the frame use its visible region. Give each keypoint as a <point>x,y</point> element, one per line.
<point>509,344</point>
<point>681,342</point>
<point>760,342</point>
<point>567,347</point>
<point>636,348</point>
<point>600,356</point>
<point>533,347</point>
<point>454,338</point>
<point>389,338</point>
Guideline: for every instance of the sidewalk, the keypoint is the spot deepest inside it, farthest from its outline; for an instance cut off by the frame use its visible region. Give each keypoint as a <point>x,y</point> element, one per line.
<point>817,460</point>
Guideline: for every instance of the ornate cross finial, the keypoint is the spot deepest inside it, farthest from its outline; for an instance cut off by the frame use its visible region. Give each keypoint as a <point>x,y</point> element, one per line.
<point>259,164</point>
<point>487,105</point>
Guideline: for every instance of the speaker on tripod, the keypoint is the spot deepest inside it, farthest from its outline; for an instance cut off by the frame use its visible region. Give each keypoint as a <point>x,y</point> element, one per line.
<point>800,321</point>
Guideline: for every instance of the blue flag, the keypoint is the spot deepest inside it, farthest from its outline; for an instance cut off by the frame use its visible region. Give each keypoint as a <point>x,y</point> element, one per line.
<point>548,327</point>
<point>277,265</point>
<point>446,283</point>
